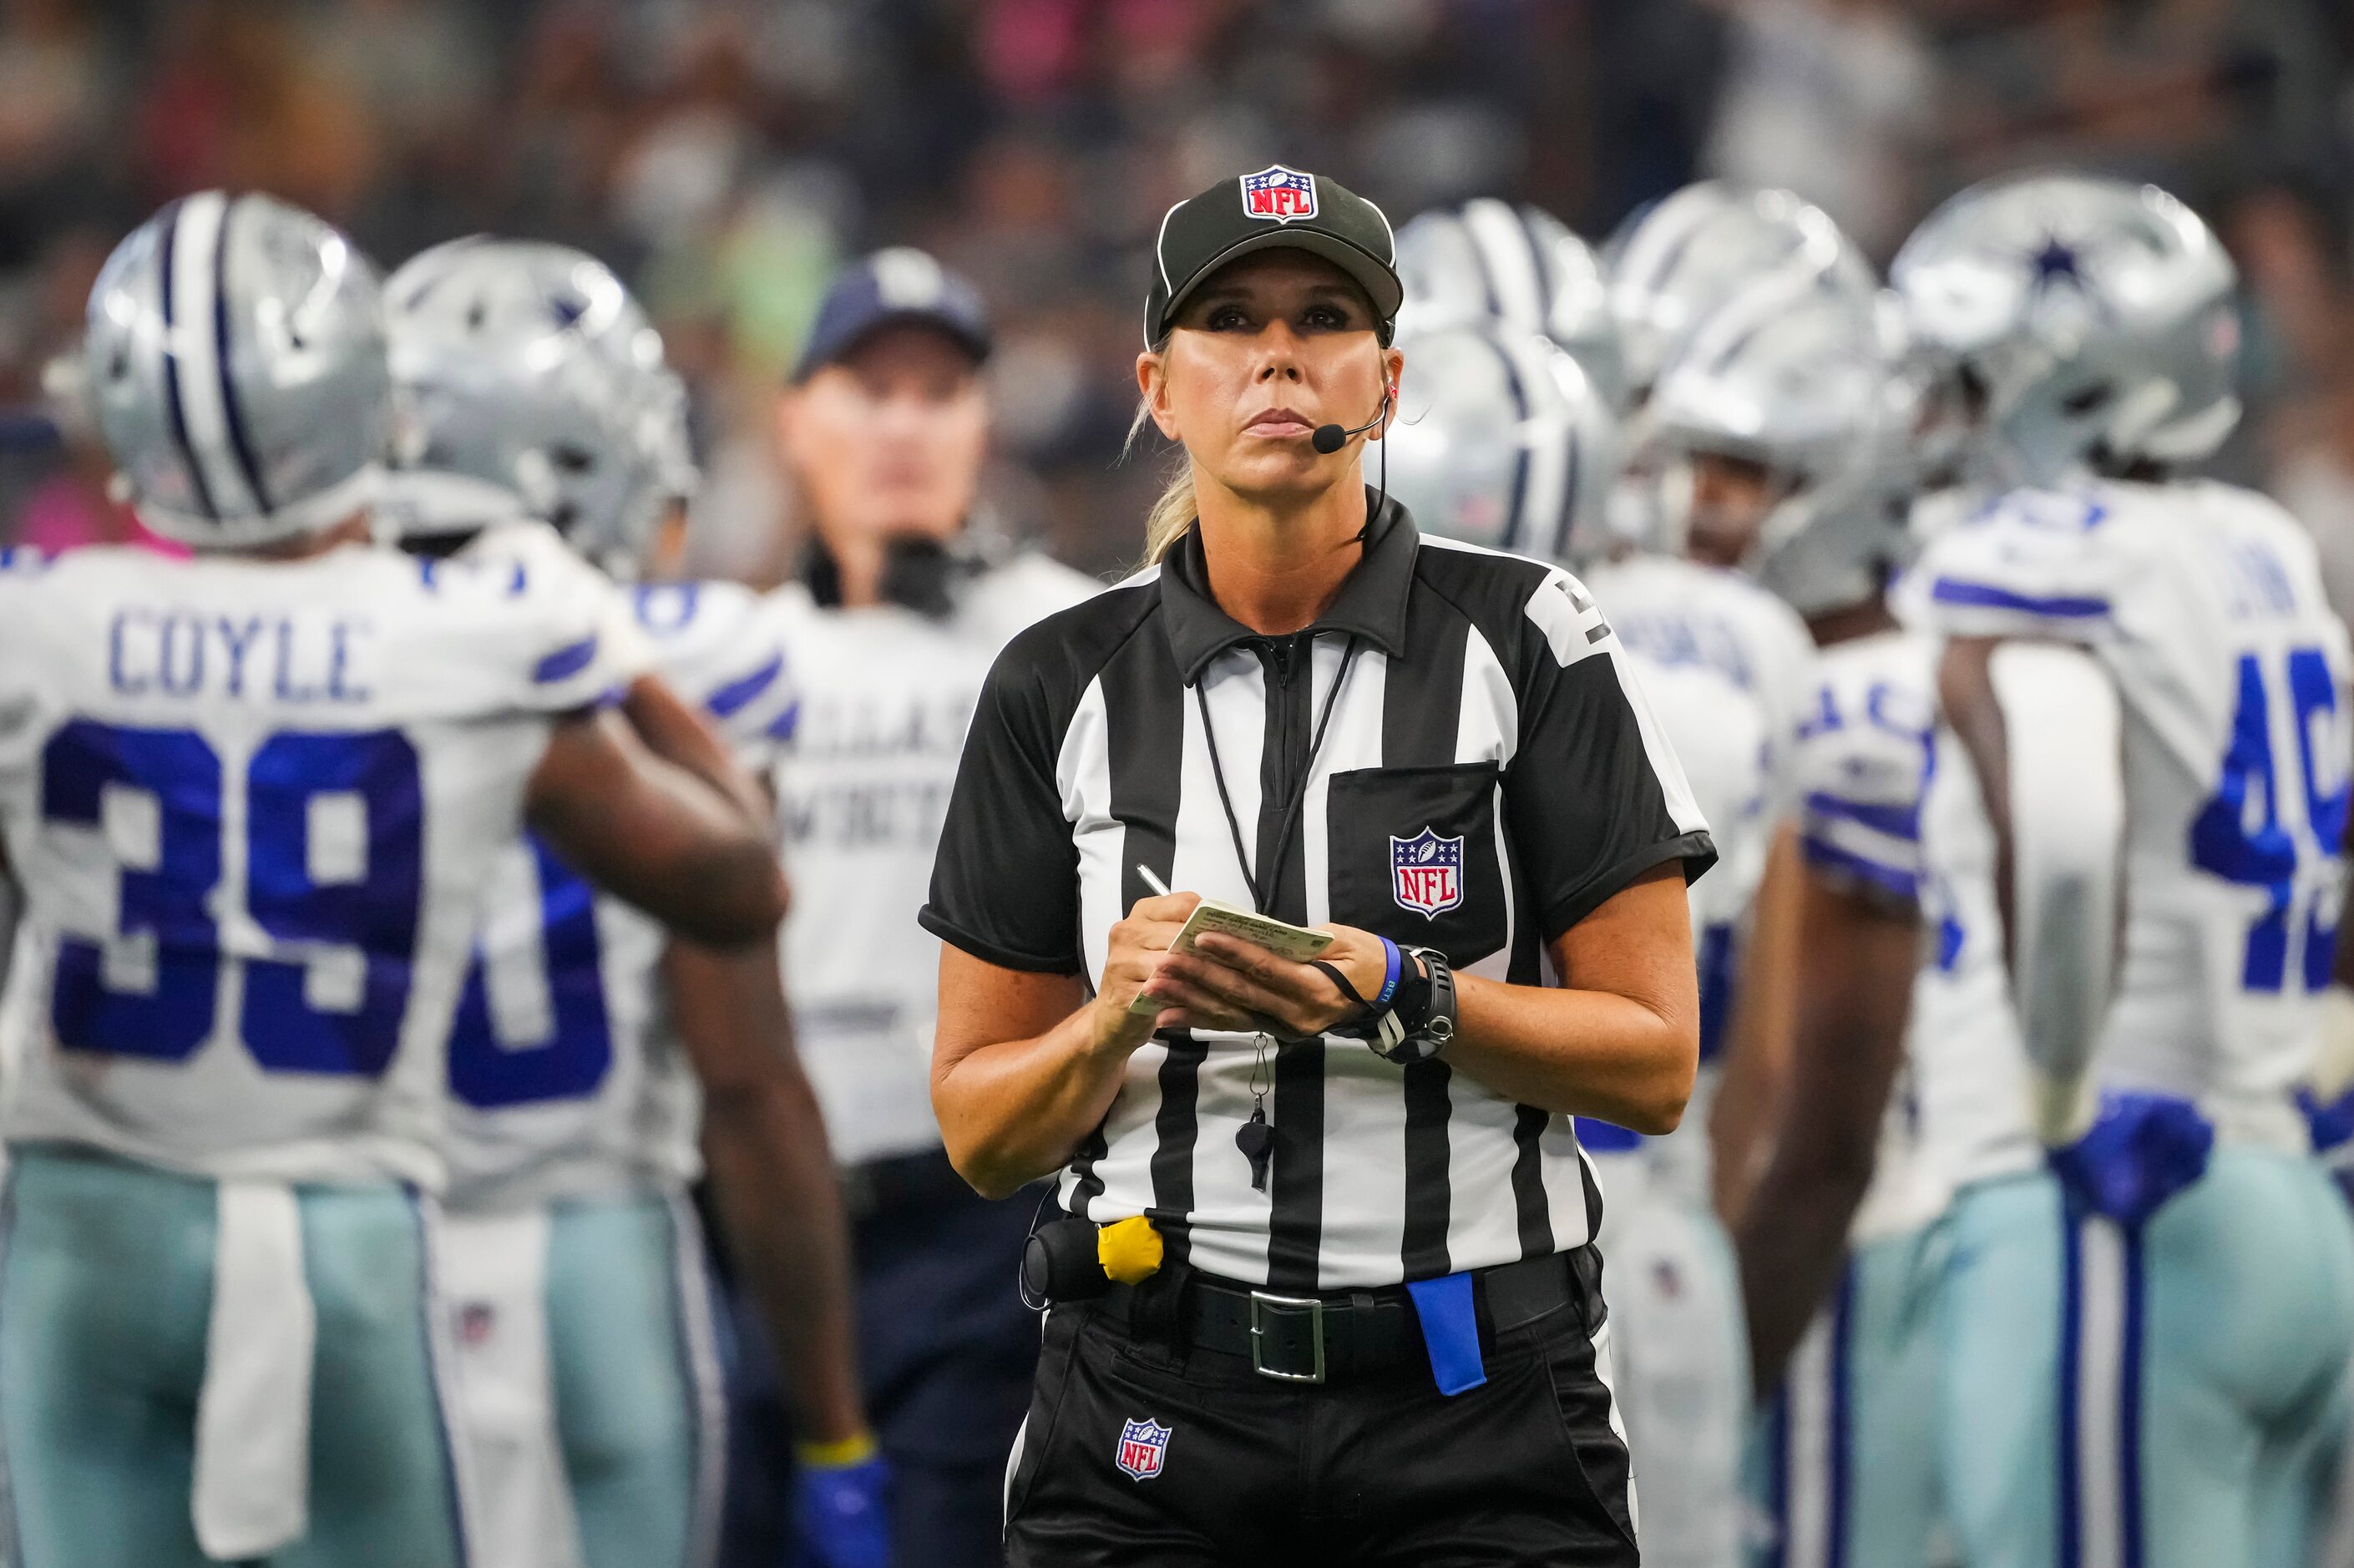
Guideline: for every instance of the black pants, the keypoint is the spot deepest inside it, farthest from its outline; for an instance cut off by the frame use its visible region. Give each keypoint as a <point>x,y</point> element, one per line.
<point>945,1350</point>
<point>1378,1469</point>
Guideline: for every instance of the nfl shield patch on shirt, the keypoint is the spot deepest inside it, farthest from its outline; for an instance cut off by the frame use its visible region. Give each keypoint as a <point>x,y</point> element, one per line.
<point>1282,195</point>
<point>1427,873</point>
<point>1142,1447</point>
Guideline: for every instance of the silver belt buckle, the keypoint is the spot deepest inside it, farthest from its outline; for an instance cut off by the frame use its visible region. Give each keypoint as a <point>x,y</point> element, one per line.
<point>1259,1300</point>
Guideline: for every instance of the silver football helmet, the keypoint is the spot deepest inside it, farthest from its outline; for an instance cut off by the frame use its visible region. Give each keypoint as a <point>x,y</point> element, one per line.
<point>527,368</point>
<point>1502,440</point>
<point>1488,260</point>
<point>2093,317</point>
<point>1805,383</point>
<point>235,359</point>
<point>1671,265</point>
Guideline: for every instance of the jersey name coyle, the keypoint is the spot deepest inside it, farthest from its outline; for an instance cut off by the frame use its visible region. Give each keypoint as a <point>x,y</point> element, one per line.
<point>288,658</point>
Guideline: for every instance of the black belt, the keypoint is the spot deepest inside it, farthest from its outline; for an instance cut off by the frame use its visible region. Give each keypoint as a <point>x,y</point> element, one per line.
<point>1312,1338</point>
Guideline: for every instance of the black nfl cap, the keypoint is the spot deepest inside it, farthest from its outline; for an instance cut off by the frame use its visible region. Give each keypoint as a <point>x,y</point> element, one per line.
<point>1275,210</point>
<point>901,286</point>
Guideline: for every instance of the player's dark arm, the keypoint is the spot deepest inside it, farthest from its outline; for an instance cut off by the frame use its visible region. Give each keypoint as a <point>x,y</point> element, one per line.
<point>653,833</point>
<point>771,1174</point>
<point>2332,1067</point>
<point>2342,962</point>
<point>674,731</point>
<point>1856,953</point>
<point>1757,1037</point>
<point>1966,696</point>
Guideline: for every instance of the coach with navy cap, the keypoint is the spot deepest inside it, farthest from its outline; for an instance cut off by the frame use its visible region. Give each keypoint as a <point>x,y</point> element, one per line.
<point>900,607</point>
<point>1323,1277</point>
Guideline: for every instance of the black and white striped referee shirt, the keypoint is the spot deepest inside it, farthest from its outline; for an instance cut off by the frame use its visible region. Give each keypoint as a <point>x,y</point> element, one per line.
<point>1485,720</point>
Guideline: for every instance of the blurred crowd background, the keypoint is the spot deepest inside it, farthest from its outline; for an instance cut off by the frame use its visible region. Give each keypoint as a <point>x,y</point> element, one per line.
<point>724,154</point>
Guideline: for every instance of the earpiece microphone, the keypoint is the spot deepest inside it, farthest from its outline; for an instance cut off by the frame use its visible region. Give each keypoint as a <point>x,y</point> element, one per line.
<point>1328,439</point>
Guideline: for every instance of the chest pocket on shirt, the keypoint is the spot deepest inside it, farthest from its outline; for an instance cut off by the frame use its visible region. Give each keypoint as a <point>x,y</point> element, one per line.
<point>1413,857</point>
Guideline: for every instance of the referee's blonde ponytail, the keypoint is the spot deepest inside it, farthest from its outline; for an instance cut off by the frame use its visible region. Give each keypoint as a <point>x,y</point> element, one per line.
<point>1173,514</point>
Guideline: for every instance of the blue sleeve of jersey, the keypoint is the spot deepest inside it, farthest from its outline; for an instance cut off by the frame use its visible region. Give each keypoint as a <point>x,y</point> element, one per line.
<point>726,649</point>
<point>2034,564</point>
<point>1866,756</point>
<point>570,657</point>
<point>757,709</point>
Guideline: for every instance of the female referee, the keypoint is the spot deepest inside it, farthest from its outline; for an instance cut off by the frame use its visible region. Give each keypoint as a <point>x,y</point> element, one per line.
<point>1353,1315</point>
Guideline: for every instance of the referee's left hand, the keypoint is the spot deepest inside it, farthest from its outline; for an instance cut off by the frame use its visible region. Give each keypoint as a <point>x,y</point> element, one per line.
<point>1227,983</point>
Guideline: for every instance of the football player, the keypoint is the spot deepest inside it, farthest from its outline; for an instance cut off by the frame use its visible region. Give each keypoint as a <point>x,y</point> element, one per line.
<point>251,799</point>
<point>1673,263</point>
<point>1506,443</point>
<point>906,598</point>
<point>1488,263</point>
<point>596,1065</point>
<point>1686,527</point>
<point>1807,384</point>
<point>2149,1339</point>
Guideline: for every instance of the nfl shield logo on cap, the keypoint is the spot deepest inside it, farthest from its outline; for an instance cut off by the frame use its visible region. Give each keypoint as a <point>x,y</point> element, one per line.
<point>1427,873</point>
<point>1279,193</point>
<point>1142,1446</point>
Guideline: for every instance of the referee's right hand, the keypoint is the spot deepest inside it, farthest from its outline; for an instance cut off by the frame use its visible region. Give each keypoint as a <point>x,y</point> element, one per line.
<point>1132,965</point>
<point>1027,1063</point>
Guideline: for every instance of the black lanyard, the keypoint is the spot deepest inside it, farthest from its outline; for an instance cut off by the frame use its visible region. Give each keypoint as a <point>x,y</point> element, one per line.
<point>1294,808</point>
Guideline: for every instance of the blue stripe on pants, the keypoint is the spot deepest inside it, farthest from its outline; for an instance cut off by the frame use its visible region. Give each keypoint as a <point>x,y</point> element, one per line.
<point>1842,1371</point>
<point>1808,1440</point>
<point>2105,1308</point>
<point>690,1303</point>
<point>1778,1479</point>
<point>2129,1403</point>
<point>2072,1324</point>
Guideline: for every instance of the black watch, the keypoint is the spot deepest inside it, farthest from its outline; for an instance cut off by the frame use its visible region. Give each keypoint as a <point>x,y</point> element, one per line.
<point>1420,1022</point>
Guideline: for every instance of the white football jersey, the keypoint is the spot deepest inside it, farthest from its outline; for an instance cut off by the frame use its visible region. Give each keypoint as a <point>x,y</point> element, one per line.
<point>1729,669</point>
<point>2204,602</point>
<point>1721,735</point>
<point>565,1078</point>
<point>251,804</point>
<point>1963,1044</point>
<point>862,788</point>
<point>1868,757</point>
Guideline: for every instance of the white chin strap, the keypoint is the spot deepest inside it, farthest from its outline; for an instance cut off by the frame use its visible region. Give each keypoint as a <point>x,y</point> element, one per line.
<point>2194,435</point>
<point>2139,414</point>
<point>1654,510</point>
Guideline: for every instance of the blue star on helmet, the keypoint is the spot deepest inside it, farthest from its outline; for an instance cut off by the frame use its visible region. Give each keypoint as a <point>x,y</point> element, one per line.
<point>567,310</point>
<point>2054,262</point>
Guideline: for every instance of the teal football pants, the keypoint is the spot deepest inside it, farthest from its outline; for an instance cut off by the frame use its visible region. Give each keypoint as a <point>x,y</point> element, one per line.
<point>589,1403</point>
<point>106,1279</point>
<point>638,1404</point>
<point>1847,1461</point>
<point>2155,1396</point>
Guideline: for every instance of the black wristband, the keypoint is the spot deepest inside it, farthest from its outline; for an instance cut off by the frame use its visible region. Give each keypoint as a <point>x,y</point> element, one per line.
<point>1421,1017</point>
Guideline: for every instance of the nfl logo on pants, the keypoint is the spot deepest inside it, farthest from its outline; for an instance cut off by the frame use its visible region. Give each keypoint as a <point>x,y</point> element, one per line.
<point>1142,1446</point>
<point>1427,873</point>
